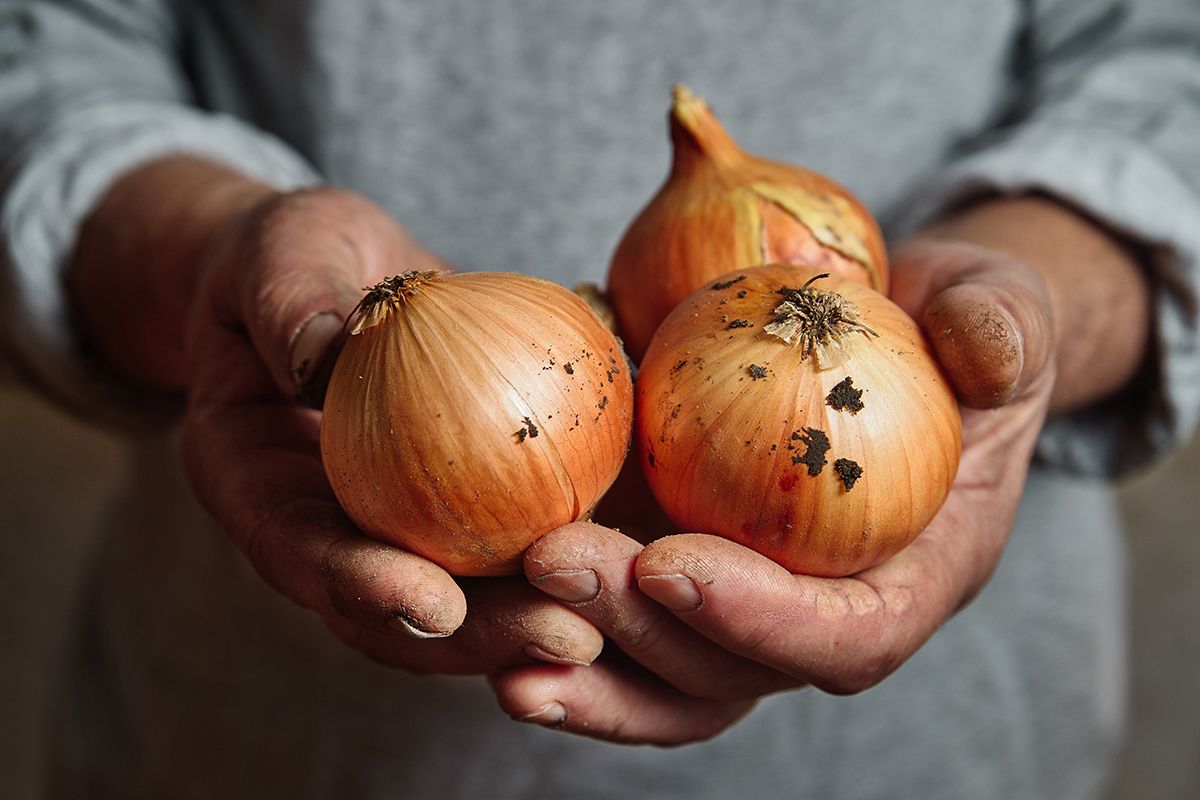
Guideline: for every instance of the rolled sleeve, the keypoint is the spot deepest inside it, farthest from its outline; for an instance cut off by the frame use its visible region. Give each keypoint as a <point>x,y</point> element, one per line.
<point>85,98</point>
<point>1120,141</point>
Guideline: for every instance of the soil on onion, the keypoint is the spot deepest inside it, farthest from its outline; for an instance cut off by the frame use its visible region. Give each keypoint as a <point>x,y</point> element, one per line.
<point>848,472</point>
<point>844,397</point>
<point>726,284</point>
<point>816,446</point>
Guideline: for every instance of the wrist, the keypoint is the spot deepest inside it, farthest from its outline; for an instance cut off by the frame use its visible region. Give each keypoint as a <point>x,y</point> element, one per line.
<point>140,258</point>
<point>1096,290</point>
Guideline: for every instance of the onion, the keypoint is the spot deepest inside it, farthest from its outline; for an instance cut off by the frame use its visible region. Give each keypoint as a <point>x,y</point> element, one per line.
<point>721,209</point>
<point>799,414</point>
<point>470,413</point>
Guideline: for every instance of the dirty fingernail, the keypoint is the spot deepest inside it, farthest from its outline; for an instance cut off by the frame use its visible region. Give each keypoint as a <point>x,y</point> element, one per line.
<point>551,715</point>
<point>310,343</point>
<point>570,586</point>
<point>408,625</point>
<point>676,592</point>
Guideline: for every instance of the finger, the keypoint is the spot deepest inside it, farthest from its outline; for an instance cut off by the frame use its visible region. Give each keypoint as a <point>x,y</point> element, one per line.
<point>508,624</point>
<point>255,464</point>
<point>591,568</point>
<point>294,275</point>
<point>272,497</point>
<point>986,315</point>
<point>844,635</point>
<point>630,507</point>
<point>257,469</point>
<point>298,270</point>
<point>840,635</point>
<point>611,702</point>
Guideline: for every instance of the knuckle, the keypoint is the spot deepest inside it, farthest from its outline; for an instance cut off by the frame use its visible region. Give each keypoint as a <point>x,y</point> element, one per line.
<point>351,585</point>
<point>638,635</point>
<point>290,561</point>
<point>258,543</point>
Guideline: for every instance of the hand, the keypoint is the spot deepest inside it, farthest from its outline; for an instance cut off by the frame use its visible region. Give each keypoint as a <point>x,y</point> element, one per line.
<point>707,626</point>
<point>274,293</point>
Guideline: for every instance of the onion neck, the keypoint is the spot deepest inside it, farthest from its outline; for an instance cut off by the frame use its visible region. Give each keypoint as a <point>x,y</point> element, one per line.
<point>696,134</point>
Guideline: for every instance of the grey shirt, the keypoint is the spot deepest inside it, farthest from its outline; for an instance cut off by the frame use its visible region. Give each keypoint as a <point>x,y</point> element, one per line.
<point>523,135</point>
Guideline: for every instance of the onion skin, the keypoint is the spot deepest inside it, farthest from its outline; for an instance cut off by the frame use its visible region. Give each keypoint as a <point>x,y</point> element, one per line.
<point>722,208</point>
<point>480,412</point>
<point>719,447</point>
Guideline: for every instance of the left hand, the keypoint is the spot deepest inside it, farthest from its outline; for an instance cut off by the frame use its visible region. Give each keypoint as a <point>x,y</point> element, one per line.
<point>706,626</point>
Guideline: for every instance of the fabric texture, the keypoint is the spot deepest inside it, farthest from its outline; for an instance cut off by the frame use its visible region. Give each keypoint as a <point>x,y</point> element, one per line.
<point>85,95</point>
<point>1106,121</point>
<point>524,136</point>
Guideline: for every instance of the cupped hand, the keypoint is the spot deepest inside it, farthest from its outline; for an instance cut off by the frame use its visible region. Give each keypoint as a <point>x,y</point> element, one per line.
<point>265,324</point>
<point>706,627</point>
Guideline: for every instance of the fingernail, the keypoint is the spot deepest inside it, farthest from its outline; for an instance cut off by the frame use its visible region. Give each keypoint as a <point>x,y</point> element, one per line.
<point>310,343</point>
<point>552,714</point>
<point>538,653</point>
<point>676,592</point>
<point>408,625</point>
<point>570,585</point>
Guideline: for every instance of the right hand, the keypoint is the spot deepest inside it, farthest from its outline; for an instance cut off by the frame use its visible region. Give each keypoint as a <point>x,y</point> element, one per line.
<point>707,626</point>
<point>276,286</point>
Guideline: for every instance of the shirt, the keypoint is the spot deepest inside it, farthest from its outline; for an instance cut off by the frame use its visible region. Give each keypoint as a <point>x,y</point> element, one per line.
<point>524,136</point>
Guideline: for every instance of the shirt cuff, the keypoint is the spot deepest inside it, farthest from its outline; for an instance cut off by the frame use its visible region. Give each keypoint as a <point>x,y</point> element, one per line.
<point>1127,187</point>
<point>58,180</point>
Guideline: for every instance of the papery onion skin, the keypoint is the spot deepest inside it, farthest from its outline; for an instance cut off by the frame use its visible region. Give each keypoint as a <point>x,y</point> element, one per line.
<point>481,412</point>
<point>721,209</point>
<point>719,441</point>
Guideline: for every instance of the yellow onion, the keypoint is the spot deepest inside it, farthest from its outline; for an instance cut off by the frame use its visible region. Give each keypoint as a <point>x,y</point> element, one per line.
<point>799,414</point>
<point>721,209</point>
<point>591,294</point>
<point>470,413</point>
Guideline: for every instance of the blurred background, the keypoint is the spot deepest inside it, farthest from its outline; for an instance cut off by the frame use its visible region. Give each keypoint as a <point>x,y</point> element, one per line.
<point>55,476</point>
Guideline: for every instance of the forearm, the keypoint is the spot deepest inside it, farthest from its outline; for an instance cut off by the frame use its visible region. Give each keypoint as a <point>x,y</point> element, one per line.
<point>1097,291</point>
<point>139,258</point>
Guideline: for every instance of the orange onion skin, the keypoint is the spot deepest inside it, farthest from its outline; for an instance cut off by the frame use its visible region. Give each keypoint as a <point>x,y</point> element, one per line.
<point>719,446</point>
<point>722,208</point>
<point>421,433</point>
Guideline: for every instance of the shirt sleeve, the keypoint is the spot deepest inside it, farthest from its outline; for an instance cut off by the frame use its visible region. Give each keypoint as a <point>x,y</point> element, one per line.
<point>1105,116</point>
<point>88,90</point>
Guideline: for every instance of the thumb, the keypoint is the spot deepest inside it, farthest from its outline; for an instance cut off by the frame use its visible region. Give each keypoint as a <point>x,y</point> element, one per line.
<point>298,271</point>
<point>987,316</point>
